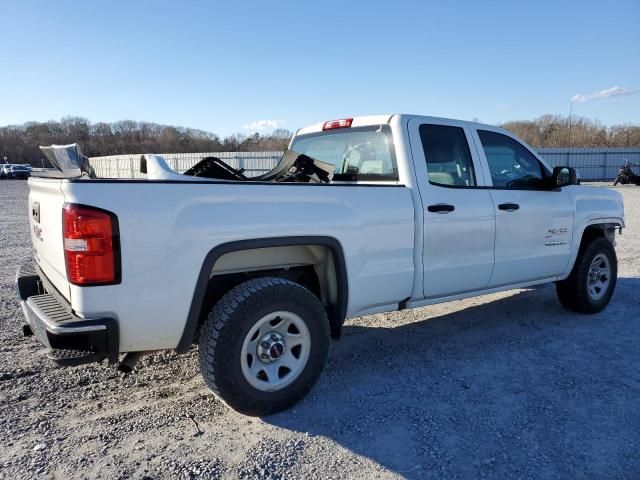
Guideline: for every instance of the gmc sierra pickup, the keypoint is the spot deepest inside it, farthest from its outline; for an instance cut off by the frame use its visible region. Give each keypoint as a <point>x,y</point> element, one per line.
<point>360,216</point>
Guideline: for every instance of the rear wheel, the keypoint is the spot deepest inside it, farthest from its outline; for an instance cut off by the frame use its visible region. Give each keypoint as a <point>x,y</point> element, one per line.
<point>264,345</point>
<point>593,279</point>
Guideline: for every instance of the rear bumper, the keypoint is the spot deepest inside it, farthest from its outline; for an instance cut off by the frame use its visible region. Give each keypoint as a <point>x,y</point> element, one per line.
<point>51,319</point>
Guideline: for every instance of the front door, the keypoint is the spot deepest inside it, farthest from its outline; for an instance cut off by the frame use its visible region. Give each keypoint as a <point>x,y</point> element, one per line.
<point>533,224</point>
<point>459,217</point>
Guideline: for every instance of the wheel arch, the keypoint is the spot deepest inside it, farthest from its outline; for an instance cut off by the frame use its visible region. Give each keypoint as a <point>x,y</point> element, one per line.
<point>604,228</point>
<point>336,314</point>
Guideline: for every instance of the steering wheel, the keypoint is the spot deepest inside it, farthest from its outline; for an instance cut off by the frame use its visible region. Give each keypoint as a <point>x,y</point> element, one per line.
<point>505,174</point>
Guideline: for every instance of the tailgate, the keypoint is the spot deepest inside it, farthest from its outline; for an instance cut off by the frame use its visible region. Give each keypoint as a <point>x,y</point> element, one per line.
<point>45,220</point>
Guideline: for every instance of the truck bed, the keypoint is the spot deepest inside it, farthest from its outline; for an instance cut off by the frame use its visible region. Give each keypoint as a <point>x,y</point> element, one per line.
<point>167,228</point>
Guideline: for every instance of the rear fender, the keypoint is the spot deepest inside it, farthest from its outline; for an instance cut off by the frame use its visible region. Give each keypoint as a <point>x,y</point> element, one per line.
<point>336,314</point>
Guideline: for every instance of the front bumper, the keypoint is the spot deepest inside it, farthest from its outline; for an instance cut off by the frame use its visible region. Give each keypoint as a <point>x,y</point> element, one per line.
<point>71,340</point>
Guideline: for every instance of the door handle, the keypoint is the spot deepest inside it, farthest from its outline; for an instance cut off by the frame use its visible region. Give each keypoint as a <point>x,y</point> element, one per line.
<point>441,208</point>
<point>509,207</point>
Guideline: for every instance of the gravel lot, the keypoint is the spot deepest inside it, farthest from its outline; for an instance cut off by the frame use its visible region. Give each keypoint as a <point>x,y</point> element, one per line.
<point>503,386</point>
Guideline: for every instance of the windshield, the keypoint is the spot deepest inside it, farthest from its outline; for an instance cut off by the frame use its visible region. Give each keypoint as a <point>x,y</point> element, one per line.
<point>362,153</point>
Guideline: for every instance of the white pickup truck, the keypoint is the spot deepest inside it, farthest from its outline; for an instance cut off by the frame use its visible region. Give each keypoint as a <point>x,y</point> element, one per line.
<point>363,215</point>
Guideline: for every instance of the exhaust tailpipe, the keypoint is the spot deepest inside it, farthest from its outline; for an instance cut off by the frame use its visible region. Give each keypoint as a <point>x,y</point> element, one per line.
<point>129,361</point>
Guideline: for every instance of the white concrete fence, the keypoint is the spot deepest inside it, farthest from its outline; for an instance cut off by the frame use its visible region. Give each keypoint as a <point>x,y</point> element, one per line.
<point>591,163</point>
<point>128,166</point>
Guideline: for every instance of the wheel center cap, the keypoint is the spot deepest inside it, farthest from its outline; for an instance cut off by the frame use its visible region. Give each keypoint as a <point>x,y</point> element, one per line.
<point>271,347</point>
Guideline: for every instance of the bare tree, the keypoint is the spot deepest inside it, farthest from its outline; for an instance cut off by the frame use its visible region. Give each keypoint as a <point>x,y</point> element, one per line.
<point>20,142</point>
<point>553,131</point>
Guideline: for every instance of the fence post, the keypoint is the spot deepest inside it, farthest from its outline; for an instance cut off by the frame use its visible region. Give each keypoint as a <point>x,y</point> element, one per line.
<point>604,165</point>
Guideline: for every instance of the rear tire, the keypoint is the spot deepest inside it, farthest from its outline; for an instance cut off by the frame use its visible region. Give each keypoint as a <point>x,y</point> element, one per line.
<point>589,287</point>
<point>264,345</point>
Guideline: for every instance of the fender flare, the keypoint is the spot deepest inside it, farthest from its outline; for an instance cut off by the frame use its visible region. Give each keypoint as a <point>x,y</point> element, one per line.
<point>579,234</point>
<point>336,315</point>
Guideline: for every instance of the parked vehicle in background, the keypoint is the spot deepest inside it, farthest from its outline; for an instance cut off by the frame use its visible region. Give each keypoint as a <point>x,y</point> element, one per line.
<point>13,170</point>
<point>360,216</point>
<point>5,169</point>
<point>626,175</point>
<point>20,171</point>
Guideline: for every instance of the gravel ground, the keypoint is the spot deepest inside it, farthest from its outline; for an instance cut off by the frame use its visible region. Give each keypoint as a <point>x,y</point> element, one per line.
<point>503,386</point>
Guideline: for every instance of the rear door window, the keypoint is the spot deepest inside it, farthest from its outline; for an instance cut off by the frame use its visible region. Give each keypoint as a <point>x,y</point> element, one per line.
<point>447,155</point>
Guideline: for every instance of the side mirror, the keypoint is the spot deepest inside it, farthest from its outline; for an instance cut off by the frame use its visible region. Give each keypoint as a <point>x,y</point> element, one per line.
<point>564,176</point>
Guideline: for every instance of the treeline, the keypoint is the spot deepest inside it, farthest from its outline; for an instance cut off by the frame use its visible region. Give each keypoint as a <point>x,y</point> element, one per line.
<point>557,131</point>
<point>19,143</point>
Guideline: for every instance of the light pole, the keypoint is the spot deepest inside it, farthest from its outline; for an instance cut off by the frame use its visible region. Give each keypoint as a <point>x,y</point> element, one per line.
<point>570,118</point>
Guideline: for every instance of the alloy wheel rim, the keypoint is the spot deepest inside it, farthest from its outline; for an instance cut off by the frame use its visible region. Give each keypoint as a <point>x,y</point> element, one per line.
<point>275,351</point>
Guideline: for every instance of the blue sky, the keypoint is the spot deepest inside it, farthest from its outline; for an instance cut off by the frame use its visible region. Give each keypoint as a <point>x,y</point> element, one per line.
<point>226,66</point>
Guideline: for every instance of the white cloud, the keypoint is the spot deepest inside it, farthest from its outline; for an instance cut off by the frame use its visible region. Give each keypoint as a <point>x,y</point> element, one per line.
<point>502,106</point>
<point>262,125</point>
<point>609,92</point>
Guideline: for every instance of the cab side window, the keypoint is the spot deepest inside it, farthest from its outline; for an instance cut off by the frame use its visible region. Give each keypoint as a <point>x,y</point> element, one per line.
<point>448,157</point>
<point>511,164</point>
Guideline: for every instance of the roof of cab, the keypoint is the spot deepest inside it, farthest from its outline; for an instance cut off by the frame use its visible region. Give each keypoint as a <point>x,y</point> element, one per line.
<point>367,120</point>
<point>362,121</point>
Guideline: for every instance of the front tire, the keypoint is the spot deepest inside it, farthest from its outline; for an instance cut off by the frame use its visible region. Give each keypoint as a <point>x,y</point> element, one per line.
<point>589,287</point>
<point>264,345</point>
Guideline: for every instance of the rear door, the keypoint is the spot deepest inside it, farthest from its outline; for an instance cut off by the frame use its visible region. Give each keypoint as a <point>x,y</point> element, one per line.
<point>459,217</point>
<point>533,224</point>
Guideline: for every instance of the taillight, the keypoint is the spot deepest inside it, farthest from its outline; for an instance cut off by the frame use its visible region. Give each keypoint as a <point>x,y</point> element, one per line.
<point>91,245</point>
<point>342,123</point>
